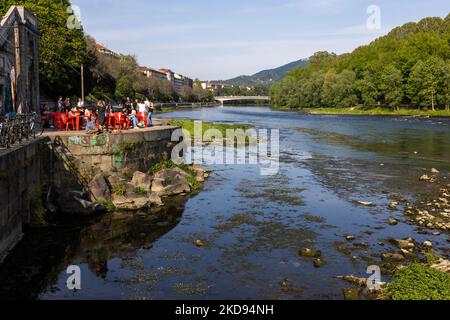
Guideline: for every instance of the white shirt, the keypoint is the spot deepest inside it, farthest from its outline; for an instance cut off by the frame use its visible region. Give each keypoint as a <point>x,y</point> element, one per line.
<point>141,107</point>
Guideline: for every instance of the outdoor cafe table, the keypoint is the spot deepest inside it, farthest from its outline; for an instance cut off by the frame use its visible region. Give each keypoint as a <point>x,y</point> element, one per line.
<point>77,121</point>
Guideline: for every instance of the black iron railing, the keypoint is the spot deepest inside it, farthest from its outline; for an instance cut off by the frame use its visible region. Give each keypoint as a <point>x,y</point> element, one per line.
<point>17,128</point>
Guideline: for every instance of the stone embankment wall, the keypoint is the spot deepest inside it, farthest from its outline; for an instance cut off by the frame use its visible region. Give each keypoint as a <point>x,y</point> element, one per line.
<point>23,172</point>
<point>62,162</point>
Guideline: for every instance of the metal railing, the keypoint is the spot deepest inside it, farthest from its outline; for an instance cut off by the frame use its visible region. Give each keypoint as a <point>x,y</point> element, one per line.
<point>17,128</point>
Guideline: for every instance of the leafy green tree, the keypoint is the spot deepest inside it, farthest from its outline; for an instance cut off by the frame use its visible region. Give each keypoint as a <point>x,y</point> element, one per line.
<point>425,80</point>
<point>62,50</point>
<point>391,86</point>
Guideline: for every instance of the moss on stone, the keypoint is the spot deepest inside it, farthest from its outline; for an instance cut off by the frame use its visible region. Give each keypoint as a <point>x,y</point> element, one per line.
<point>419,282</point>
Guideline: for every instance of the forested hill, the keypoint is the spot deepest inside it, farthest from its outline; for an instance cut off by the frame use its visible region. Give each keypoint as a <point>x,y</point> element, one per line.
<point>266,77</point>
<point>409,67</point>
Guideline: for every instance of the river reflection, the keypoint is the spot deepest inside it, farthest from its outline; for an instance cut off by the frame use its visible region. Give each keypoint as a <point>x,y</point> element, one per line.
<point>91,243</point>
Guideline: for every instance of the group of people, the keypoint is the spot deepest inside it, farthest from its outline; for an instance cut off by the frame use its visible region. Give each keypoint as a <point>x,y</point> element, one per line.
<point>96,116</point>
<point>132,108</point>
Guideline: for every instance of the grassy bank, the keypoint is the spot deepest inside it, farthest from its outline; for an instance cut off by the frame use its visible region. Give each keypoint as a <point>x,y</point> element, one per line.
<point>379,112</point>
<point>222,127</point>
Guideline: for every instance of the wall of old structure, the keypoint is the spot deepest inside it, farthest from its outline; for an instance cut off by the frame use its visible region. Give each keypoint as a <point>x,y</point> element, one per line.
<point>19,51</point>
<point>23,172</point>
<point>67,161</point>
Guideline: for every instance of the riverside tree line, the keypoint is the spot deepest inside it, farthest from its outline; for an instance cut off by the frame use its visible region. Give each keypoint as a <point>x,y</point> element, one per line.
<point>64,50</point>
<point>409,68</point>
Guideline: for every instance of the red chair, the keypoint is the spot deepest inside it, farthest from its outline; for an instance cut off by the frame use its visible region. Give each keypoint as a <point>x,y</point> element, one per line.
<point>119,120</point>
<point>57,123</point>
<point>142,117</point>
<point>68,122</point>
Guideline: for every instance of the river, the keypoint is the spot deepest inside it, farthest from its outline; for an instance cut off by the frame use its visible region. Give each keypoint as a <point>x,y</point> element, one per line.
<point>252,225</point>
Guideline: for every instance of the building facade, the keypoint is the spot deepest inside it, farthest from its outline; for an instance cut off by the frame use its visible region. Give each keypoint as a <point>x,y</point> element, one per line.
<point>19,62</point>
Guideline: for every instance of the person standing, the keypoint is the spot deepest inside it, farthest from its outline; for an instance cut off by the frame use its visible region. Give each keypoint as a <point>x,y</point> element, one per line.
<point>60,104</point>
<point>149,109</point>
<point>101,113</point>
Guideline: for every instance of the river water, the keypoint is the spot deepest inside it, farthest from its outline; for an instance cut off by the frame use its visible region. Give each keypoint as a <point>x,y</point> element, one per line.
<point>252,225</point>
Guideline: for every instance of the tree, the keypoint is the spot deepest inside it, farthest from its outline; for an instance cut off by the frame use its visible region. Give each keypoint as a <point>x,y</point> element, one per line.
<point>425,81</point>
<point>391,86</point>
<point>62,50</point>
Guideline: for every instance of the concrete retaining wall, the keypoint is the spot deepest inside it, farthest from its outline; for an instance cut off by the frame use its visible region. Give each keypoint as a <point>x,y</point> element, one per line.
<point>68,161</point>
<point>21,177</point>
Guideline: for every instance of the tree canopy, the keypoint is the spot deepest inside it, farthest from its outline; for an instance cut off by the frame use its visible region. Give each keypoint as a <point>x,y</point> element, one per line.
<point>409,67</point>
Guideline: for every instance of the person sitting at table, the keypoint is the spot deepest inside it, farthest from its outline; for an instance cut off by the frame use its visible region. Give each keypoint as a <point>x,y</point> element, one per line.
<point>91,127</point>
<point>134,119</point>
<point>73,112</point>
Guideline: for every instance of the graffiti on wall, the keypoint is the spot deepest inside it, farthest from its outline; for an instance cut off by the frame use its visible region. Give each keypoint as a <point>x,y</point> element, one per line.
<point>87,141</point>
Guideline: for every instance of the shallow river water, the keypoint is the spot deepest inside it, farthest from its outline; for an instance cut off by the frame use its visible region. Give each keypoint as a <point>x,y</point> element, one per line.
<point>252,225</point>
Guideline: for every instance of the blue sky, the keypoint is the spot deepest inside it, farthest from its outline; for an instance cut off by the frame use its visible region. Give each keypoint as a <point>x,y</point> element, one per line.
<point>210,39</point>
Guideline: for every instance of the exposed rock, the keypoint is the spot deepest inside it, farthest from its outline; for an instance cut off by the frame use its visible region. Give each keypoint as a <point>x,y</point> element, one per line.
<point>141,180</point>
<point>408,254</point>
<point>199,243</point>
<point>350,238</point>
<point>393,206</point>
<point>351,293</point>
<point>200,173</point>
<point>155,199</point>
<point>130,203</point>
<point>365,203</point>
<point>425,177</point>
<point>392,257</point>
<point>310,253</point>
<point>428,244</point>
<point>361,282</point>
<point>89,208</point>
<point>442,265</point>
<point>100,188</point>
<point>434,170</point>
<point>318,263</point>
<point>170,182</point>
<point>392,222</point>
<point>403,244</point>
<point>115,180</point>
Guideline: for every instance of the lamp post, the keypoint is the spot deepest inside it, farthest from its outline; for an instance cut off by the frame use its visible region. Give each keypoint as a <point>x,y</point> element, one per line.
<point>82,84</point>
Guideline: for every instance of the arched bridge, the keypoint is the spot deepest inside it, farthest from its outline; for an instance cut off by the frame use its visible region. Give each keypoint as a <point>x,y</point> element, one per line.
<point>241,98</point>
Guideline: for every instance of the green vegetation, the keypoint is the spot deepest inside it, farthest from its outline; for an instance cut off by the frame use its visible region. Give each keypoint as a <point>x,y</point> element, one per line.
<point>419,282</point>
<point>265,78</point>
<point>140,191</point>
<point>62,50</point>
<point>409,68</point>
<point>37,209</point>
<point>222,127</point>
<point>109,205</point>
<point>119,190</point>
<point>378,111</point>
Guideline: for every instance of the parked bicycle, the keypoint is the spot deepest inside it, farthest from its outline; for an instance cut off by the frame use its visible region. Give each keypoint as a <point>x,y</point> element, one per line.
<point>17,128</point>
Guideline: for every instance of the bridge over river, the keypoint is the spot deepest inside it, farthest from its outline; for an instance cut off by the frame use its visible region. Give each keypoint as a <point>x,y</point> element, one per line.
<point>224,99</point>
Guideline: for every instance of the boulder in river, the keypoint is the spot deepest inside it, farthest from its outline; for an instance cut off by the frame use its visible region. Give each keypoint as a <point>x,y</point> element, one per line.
<point>99,188</point>
<point>130,202</point>
<point>142,181</point>
<point>170,182</point>
<point>310,253</point>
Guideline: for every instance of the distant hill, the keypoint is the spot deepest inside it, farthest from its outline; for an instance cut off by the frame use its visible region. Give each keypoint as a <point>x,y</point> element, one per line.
<point>267,77</point>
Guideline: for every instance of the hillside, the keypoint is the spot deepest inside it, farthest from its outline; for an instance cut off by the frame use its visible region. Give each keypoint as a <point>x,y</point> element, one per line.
<point>409,68</point>
<point>267,77</point>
